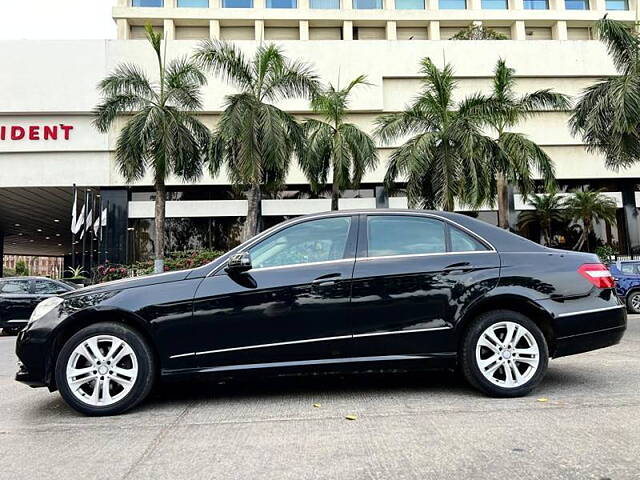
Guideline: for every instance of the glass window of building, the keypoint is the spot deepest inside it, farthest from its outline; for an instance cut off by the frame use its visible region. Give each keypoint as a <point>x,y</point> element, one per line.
<point>147,3</point>
<point>410,4</point>
<point>367,4</point>
<point>282,4</point>
<point>453,4</point>
<point>495,4</point>
<point>193,3</point>
<point>325,4</point>
<point>617,5</point>
<point>576,4</point>
<point>536,4</point>
<point>237,3</point>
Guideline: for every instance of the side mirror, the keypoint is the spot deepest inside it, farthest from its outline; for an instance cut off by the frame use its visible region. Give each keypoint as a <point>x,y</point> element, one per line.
<point>238,263</point>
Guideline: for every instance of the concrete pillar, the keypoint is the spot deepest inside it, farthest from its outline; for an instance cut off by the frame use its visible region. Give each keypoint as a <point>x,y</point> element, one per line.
<point>347,5</point>
<point>517,30</point>
<point>170,3</point>
<point>389,4</point>
<point>432,5</point>
<point>169,29</point>
<point>556,4</point>
<point>304,29</point>
<point>123,3</point>
<point>1,253</point>
<point>474,4</point>
<point>259,28</point>
<point>115,237</point>
<point>123,29</point>
<point>434,30</point>
<point>391,31</point>
<point>631,220</point>
<point>303,4</point>
<point>347,30</point>
<point>601,5</point>
<point>516,5</point>
<point>559,30</point>
<point>382,198</point>
<point>214,29</point>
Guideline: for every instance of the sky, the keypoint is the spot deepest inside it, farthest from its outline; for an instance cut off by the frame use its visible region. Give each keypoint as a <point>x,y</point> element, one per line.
<point>56,19</point>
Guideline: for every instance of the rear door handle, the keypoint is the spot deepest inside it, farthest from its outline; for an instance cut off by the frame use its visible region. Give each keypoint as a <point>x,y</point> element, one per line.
<point>459,267</point>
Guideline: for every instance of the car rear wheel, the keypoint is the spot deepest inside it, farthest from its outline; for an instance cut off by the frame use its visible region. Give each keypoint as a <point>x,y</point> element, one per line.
<point>633,302</point>
<point>504,354</point>
<point>105,369</point>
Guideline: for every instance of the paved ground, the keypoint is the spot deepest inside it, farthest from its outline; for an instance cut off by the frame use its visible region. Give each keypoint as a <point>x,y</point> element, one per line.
<point>428,426</point>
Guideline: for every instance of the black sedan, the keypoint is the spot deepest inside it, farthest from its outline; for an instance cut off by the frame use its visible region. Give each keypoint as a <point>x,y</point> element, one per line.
<point>357,290</point>
<point>20,295</point>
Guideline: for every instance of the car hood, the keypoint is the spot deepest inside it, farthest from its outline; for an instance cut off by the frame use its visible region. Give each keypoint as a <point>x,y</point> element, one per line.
<point>126,283</point>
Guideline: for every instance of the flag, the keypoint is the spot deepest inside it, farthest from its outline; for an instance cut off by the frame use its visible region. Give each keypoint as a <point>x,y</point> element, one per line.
<point>87,226</point>
<point>76,222</point>
<point>77,226</point>
<point>101,221</point>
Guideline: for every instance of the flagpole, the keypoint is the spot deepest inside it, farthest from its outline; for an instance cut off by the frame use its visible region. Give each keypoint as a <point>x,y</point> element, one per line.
<point>84,228</point>
<point>92,200</point>
<point>99,232</point>
<point>73,226</point>
<point>106,232</point>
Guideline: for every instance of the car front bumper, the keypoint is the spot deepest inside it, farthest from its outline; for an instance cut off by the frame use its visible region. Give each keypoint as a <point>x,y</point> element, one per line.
<point>32,355</point>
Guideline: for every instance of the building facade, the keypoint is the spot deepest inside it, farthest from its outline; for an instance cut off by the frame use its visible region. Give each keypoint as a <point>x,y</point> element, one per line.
<point>48,143</point>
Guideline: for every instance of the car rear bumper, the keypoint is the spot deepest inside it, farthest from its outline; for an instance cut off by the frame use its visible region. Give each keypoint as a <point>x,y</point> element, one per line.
<point>585,342</point>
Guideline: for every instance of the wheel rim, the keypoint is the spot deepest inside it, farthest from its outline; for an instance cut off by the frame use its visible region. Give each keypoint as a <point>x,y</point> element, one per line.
<point>507,354</point>
<point>635,302</point>
<point>102,370</point>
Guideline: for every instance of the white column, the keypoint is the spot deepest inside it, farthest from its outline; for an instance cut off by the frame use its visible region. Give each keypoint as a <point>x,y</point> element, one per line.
<point>303,4</point>
<point>123,29</point>
<point>304,29</point>
<point>517,30</point>
<point>169,29</point>
<point>170,3</point>
<point>434,30</point>
<point>259,28</point>
<point>516,5</point>
<point>214,29</point>
<point>474,4</point>
<point>391,31</point>
<point>432,5</point>
<point>559,30</point>
<point>389,4</point>
<point>347,30</point>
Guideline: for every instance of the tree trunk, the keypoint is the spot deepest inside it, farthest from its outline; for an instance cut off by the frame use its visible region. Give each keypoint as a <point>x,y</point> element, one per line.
<point>335,196</point>
<point>587,230</point>
<point>158,264</point>
<point>503,201</point>
<point>254,213</point>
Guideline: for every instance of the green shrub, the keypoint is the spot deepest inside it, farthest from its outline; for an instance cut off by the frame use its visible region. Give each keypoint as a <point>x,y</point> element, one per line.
<point>606,253</point>
<point>21,269</point>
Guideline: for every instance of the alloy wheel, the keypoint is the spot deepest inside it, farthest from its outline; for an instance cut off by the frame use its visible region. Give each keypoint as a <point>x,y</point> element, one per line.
<point>507,354</point>
<point>635,302</point>
<point>102,370</point>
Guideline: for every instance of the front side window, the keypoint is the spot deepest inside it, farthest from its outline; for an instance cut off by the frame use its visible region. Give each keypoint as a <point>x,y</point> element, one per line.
<point>147,3</point>
<point>237,3</point>
<point>410,4</point>
<point>15,287</point>
<point>536,4</point>
<point>325,4</point>
<point>314,241</point>
<point>576,4</point>
<point>282,4</point>
<point>453,4</point>
<point>398,235</point>
<point>617,5</point>
<point>367,4</point>
<point>193,3</point>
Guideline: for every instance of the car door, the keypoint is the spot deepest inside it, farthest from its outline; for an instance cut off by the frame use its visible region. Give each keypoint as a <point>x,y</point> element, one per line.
<point>413,275</point>
<point>292,306</point>
<point>15,300</point>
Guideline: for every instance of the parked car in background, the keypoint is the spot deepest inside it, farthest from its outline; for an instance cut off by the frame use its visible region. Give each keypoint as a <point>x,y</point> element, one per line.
<point>343,290</point>
<point>627,277</point>
<point>19,296</point>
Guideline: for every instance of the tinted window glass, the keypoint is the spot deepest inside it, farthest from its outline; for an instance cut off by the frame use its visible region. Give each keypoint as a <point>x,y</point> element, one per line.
<point>324,3</point>
<point>147,3</point>
<point>409,4</point>
<point>237,3</point>
<point>629,268</point>
<point>453,4</point>
<point>463,242</point>
<point>576,4</point>
<point>314,241</point>
<point>282,4</point>
<point>536,4</point>
<point>495,5</point>
<point>397,235</point>
<point>617,5</point>
<point>193,3</point>
<point>15,286</point>
<point>44,287</point>
<point>367,4</point>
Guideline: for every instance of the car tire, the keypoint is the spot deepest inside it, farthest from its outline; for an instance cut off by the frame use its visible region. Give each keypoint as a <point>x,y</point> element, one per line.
<point>498,367</point>
<point>105,369</point>
<point>633,297</point>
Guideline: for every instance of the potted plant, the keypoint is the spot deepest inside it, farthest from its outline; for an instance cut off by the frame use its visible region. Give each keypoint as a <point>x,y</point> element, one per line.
<point>77,275</point>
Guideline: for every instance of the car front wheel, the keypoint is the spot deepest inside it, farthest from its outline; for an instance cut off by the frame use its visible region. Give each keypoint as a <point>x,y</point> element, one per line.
<point>504,354</point>
<point>633,302</point>
<point>105,369</point>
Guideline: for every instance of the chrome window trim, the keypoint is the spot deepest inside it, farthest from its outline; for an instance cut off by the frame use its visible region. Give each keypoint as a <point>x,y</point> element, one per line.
<point>295,265</point>
<point>592,310</point>
<point>413,255</point>
<point>308,340</point>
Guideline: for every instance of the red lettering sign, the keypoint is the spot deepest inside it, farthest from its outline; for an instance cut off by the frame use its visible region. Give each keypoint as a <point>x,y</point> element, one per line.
<point>35,132</point>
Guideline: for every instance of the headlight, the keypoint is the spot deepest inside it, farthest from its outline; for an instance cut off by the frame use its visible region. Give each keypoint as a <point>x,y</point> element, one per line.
<point>44,307</point>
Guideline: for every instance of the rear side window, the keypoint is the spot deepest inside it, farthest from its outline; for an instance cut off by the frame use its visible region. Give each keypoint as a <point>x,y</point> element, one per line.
<point>630,268</point>
<point>398,235</point>
<point>14,286</point>
<point>44,287</point>
<point>463,242</point>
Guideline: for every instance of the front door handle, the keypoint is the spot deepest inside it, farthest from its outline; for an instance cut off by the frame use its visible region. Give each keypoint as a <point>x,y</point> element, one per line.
<point>327,280</point>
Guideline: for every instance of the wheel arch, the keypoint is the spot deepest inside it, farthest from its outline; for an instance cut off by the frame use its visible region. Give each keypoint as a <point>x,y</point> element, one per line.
<point>91,316</point>
<point>517,303</point>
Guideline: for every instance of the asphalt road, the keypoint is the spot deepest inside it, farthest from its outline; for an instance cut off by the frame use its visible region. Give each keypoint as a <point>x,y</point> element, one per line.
<point>408,426</point>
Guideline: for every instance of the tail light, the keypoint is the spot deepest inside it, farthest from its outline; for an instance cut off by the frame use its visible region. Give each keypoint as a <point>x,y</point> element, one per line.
<point>597,274</point>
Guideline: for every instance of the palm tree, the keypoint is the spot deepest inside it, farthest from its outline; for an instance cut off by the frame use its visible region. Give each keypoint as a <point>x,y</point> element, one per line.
<point>590,206</point>
<point>333,145</point>
<point>547,211</point>
<point>516,158</point>
<point>607,114</point>
<point>161,133</point>
<point>254,139</point>
<point>444,157</point>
